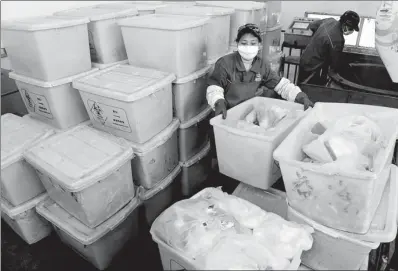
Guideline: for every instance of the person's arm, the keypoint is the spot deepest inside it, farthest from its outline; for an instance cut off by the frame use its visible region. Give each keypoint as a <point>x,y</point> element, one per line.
<point>315,25</point>
<point>217,82</point>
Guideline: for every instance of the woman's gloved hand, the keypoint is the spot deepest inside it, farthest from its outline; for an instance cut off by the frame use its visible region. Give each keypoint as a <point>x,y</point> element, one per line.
<point>221,107</point>
<point>303,99</point>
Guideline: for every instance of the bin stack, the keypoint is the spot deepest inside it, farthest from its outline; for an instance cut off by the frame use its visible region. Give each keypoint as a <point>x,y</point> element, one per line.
<point>352,211</point>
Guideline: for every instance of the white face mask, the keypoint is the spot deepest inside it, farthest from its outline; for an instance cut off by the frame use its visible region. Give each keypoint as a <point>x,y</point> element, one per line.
<point>346,31</point>
<point>248,52</point>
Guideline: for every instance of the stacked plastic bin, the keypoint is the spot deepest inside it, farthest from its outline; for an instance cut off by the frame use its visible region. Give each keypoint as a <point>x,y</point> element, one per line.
<point>104,35</point>
<point>46,55</point>
<point>351,212</point>
<point>272,35</point>
<point>21,188</point>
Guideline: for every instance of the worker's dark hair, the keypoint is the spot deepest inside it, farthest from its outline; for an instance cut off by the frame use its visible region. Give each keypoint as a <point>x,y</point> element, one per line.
<point>249,29</point>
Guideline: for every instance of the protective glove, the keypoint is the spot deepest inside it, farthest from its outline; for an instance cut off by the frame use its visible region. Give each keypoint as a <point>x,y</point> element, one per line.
<point>303,99</point>
<point>221,107</point>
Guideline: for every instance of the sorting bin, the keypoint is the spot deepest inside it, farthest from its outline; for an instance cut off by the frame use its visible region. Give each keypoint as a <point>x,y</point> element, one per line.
<point>177,43</point>
<point>99,245</point>
<point>129,102</point>
<point>105,37</point>
<point>19,181</point>
<point>193,135</point>
<point>195,171</point>
<point>155,159</point>
<point>189,95</point>
<point>271,40</point>
<point>47,48</point>
<point>24,220</point>
<point>105,66</point>
<point>247,156</point>
<point>161,196</point>
<point>217,28</point>
<point>56,103</point>
<point>85,172</point>
<point>337,199</point>
<point>245,12</point>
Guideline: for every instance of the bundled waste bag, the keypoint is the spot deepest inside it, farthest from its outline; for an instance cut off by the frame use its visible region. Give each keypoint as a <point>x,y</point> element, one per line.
<point>265,117</point>
<point>212,226</point>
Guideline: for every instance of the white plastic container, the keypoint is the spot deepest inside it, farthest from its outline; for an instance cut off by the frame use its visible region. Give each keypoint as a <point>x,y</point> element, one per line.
<point>189,95</point>
<point>99,245</point>
<point>155,159</point>
<point>19,181</point>
<point>24,220</point>
<point>212,62</point>
<point>105,36</point>
<point>270,200</point>
<point>105,66</point>
<point>85,172</point>
<point>341,200</point>
<point>161,196</point>
<point>245,156</point>
<point>194,134</point>
<point>129,102</point>
<point>274,9</point>
<point>47,48</point>
<point>143,7</point>
<point>32,119</point>
<point>331,249</point>
<point>56,103</point>
<point>271,40</point>
<point>173,43</point>
<point>245,12</point>
<point>218,27</point>
<point>195,171</point>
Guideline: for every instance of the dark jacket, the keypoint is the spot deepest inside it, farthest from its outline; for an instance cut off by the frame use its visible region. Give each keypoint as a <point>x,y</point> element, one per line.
<point>325,46</point>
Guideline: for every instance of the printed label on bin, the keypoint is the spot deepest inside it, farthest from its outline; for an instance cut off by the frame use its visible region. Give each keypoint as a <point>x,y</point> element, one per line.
<point>112,117</point>
<point>37,103</point>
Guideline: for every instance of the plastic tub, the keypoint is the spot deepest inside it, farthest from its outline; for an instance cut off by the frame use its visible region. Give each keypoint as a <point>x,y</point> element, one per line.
<point>274,11</point>
<point>156,158</point>
<point>177,43</point>
<point>217,27</point>
<point>341,200</point>
<point>245,156</point>
<point>47,48</point>
<point>212,62</point>
<point>245,12</point>
<point>24,220</point>
<point>161,196</point>
<point>129,102</point>
<point>195,171</point>
<point>19,181</point>
<point>86,172</point>
<point>105,36</point>
<point>105,66</point>
<point>331,249</point>
<point>193,135</point>
<point>56,103</point>
<point>271,40</point>
<point>270,200</point>
<point>99,245</point>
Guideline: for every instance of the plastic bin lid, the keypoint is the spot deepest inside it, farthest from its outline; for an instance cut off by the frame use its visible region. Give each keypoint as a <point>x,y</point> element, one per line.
<point>238,5</point>
<point>197,157</point>
<point>164,21</point>
<point>17,135</point>
<point>49,84</point>
<point>108,65</point>
<point>97,13</point>
<point>156,141</point>
<point>41,23</point>
<point>195,10</point>
<point>145,194</point>
<point>79,157</point>
<point>384,224</point>
<point>76,229</point>
<point>141,6</point>
<point>14,211</point>
<point>124,82</point>
<point>198,118</point>
<point>192,76</point>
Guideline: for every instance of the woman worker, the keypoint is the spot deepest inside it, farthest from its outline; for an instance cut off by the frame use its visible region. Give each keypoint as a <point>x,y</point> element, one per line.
<point>238,76</point>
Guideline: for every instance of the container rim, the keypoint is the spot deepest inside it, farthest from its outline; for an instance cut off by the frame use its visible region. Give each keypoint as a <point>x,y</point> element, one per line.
<point>197,157</point>
<point>13,211</point>
<point>193,76</point>
<point>26,25</point>
<point>208,11</point>
<point>112,13</point>
<point>198,118</point>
